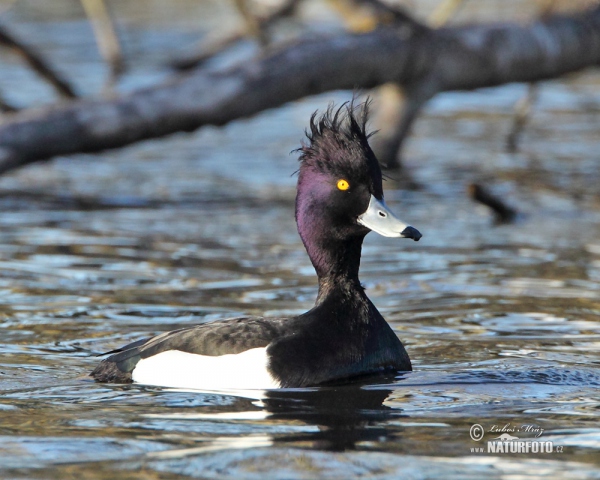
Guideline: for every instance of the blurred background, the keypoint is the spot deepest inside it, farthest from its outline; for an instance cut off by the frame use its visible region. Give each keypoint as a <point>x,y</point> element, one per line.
<point>500,319</point>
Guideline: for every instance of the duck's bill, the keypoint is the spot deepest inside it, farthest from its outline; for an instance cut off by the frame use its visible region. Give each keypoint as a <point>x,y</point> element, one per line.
<point>380,219</point>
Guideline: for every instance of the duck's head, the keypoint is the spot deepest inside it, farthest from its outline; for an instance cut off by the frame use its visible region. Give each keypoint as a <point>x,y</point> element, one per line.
<point>340,192</point>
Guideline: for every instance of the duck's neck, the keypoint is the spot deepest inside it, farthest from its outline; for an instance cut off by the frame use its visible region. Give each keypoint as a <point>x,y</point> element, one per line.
<point>336,263</point>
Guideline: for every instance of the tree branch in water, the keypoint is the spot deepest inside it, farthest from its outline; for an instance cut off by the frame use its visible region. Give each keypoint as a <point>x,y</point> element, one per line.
<point>424,62</point>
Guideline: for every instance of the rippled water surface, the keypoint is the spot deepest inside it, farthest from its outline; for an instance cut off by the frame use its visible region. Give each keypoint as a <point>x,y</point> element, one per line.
<point>502,322</point>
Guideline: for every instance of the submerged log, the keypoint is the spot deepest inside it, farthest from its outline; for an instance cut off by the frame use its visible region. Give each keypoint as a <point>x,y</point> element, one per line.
<point>423,61</point>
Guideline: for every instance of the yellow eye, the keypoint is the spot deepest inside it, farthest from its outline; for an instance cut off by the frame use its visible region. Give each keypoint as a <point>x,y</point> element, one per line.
<point>343,184</point>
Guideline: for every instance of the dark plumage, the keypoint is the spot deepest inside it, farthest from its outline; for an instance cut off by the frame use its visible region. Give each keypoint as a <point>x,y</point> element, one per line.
<point>339,201</point>
<point>233,335</point>
<point>338,145</point>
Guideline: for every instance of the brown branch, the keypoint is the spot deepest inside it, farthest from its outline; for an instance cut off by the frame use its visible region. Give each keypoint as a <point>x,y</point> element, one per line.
<point>460,58</point>
<point>37,63</point>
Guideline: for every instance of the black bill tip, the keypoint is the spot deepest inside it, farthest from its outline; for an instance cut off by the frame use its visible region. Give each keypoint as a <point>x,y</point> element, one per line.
<point>411,232</point>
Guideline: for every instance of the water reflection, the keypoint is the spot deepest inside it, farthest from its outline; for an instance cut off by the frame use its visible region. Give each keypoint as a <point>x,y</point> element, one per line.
<point>345,415</point>
<point>337,417</point>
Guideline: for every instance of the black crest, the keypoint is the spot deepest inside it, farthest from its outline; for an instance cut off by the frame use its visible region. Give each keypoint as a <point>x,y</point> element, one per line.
<point>338,144</point>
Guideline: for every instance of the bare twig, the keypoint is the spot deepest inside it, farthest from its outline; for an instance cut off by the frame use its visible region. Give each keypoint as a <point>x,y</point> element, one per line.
<point>106,37</point>
<point>37,63</point>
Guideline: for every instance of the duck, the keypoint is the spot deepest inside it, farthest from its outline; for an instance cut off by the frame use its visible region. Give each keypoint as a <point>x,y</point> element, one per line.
<point>343,337</point>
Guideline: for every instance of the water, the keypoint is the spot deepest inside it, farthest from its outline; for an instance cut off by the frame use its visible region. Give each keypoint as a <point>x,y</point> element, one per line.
<point>501,321</point>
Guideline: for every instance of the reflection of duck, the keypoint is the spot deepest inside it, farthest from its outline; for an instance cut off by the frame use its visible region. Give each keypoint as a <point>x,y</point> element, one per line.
<point>506,437</point>
<point>332,417</point>
<point>339,201</point>
<point>342,413</point>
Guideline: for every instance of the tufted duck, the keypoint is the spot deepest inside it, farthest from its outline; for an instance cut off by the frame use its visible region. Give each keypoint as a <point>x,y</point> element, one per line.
<point>339,201</point>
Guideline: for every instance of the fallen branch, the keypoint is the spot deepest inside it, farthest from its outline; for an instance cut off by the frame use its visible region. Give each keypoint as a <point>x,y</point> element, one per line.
<point>424,63</point>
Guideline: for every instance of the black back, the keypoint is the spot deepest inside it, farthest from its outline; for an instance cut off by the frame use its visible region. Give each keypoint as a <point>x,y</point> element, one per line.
<point>229,336</point>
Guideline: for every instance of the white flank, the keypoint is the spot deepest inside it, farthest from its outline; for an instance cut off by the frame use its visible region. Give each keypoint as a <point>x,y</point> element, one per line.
<point>246,370</point>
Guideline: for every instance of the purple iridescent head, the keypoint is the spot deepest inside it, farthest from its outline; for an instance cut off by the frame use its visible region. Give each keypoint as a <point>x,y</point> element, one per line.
<point>340,193</point>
